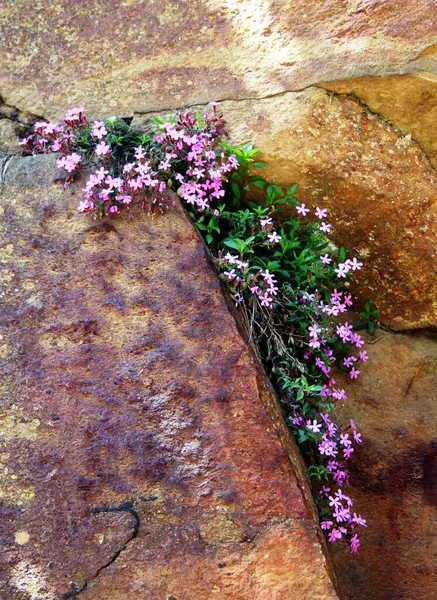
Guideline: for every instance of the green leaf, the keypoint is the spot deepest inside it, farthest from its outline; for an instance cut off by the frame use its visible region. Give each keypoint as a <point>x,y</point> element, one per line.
<point>230,243</point>
<point>236,189</point>
<point>371,327</point>
<point>260,183</point>
<point>209,238</point>
<point>290,193</point>
<point>260,165</point>
<point>342,253</point>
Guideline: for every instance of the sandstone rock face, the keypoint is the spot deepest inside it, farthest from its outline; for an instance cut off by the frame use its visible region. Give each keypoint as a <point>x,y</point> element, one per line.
<point>132,58</point>
<point>367,155</point>
<point>380,190</point>
<point>409,103</point>
<point>140,442</point>
<point>124,56</point>
<point>395,470</point>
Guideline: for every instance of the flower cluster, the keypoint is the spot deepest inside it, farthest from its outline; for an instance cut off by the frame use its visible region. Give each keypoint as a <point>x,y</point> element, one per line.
<point>323,340</point>
<point>137,181</point>
<point>183,156</point>
<point>202,181</point>
<point>237,273</point>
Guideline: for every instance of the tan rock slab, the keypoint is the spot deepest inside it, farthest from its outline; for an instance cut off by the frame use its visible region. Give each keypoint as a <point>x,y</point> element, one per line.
<point>141,456</point>
<point>409,103</point>
<point>378,185</point>
<point>124,56</point>
<point>394,474</point>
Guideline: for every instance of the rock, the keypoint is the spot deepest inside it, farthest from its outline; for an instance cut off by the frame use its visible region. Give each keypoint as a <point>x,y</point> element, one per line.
<point>409,103</point>
<point>394,472</point>
<point>378,186</point>
<point>133,59</point>
<point>27,171</point>
<point>125,57</point>
<point>140,441</point>
<point>9,137</point>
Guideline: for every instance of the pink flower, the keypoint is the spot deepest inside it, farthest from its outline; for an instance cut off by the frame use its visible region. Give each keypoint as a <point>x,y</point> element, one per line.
<point>326,260</point>
<point>326,524</point>
<point>359,520</point>
<point>98,130</point>
<point>325,227</point>
<point>347,452</point>
<point>102,149</point>
<point>344,440</point>
<point>354,264</point>
<point>348,300</point>
<point>85,206</point>
<point>57,145</point>
<point>139,153</point>
<point>355,543</point>
<point>313,331</point>
<point>314,427</point>
<point>357,437</point>
<point>363,356</point>
<point>69,162</point>
<point>265,222</point>
<point>335,534</point>
<point>273,237</point>
<point>302,210</point>
<point>75,114</point>
<point>342,270</point>
<point>354,373</point>
<point>357,340</point>
<point>321,212</point>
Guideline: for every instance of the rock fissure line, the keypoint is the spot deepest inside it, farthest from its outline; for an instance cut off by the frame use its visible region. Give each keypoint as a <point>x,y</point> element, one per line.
<point>379,116</point>
<point>331,93</point>
<point>17,116</point>
<point>14,114</point>
<point>127,507</point>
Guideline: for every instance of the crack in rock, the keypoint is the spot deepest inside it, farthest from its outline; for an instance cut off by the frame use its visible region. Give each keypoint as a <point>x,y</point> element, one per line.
<point>379,116</point>
<point>127,507</point>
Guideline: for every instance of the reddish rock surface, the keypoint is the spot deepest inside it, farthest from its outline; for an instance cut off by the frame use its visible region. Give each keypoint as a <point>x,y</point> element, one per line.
<point>394,474</point>
<point>126,56</point>
<point>140,443</point>
<point>379,187</point>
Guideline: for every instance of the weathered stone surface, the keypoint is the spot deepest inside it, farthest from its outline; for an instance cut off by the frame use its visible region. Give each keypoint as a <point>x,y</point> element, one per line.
<point>394,473</point>
<point>8,137</point>
<point>124,56</point>
<point>378,186</point>
<point>129,58</point>
<point>140,442</point>
<point>409,103</point>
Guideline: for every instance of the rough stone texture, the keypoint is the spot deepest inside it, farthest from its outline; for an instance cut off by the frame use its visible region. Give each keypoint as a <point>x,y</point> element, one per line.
<point>8,137</point>
<point>125,56</point>
<point>129,58</point>
<point>379,187</point>
<point>409,103</point>
<point>140,443</point>
<point>395,470</point>
<point>132,57</point>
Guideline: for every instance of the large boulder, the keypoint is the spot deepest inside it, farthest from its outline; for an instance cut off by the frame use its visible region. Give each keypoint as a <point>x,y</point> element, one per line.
<point>394,472</point>
<point>125,56</point>
<point>133,58</point>
<point>140,441</point>
<point>379,187</point>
